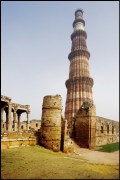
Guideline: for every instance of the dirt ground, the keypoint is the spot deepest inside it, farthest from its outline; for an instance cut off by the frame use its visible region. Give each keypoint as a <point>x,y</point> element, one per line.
<point>98,157</point>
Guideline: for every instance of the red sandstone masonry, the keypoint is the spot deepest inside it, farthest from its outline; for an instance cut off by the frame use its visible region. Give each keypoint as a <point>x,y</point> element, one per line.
<point>79,85</point>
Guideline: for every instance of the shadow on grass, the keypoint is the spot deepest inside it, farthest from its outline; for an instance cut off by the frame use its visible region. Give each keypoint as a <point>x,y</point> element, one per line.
<point>109,147</point>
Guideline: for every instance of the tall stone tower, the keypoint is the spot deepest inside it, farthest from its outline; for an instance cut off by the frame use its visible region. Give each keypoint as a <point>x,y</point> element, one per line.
<point>79,85</point>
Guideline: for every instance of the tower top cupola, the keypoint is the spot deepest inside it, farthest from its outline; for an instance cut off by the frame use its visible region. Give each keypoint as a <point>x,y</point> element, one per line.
<point>79,14</point>
<point>79,22</point>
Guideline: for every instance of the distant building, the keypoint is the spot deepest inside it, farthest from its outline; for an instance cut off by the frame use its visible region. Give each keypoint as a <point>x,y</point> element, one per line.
<point>34,125</point>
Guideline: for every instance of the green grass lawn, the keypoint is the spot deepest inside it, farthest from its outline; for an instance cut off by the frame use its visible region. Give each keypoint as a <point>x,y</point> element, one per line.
<point>109,147</point>
<point>35,162</point>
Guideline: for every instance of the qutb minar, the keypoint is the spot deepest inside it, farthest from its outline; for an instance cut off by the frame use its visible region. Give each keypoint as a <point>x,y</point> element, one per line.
<point>79,85</point>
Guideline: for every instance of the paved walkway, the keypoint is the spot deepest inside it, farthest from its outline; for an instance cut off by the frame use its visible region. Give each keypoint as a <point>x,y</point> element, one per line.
<point>98,157</point>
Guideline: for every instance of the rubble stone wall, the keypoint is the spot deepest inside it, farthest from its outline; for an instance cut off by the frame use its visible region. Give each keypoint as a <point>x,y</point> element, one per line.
<point>107,131</point>
<point>35,124</point>
<point>89,130</point>
<point>85,127</point>
<point>13,143</point>
<point>18,139</point>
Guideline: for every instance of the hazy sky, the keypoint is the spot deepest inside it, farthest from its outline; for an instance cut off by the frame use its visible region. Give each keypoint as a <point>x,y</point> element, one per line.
<point>35,47</point>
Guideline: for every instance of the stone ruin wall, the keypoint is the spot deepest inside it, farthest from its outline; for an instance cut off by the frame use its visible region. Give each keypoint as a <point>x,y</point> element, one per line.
<point>107,131</point>
<point>34,125</point>
<point>89,130</point>
<point>53,132</point>
<point>56,133</point>
<point>82,127</point>
<point>67,143</point>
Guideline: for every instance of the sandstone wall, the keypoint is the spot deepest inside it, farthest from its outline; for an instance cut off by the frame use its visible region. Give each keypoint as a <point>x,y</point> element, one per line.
<point>67,144</point>
<point>107,131</point>
<point>13,143</point>
<point>85,127</point>
<point>35,124</point>
<point>17,139</point>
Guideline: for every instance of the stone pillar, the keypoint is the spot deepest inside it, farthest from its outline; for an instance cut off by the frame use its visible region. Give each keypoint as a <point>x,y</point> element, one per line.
<point>6,121</point>
<point>28,120</point>
<point>19,122</point>
<point>15,120</point>
<point>2,111</point>
<point>50,134</point>
<point>92,127</point>
<point>9,118</point>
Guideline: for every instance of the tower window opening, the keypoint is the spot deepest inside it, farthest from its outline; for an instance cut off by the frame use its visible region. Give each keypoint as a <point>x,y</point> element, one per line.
<point>36,124</point>
<point>101,129</point>
<point>112,129</point>
<point>21,127</point>
<point>108,129</point>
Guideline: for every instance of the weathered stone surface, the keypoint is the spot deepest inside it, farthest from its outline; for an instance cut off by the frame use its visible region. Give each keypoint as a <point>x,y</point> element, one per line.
<point>82,127</point>
<point>69,145</point>
<point>85,128</point>
<point>104,136</point>
<point>50,132</point>
<point>13,143</point>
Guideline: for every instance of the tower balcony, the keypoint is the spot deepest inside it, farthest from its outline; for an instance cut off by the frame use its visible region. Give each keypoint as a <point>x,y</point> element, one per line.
<point>81,80</point>
<point>79,53</point>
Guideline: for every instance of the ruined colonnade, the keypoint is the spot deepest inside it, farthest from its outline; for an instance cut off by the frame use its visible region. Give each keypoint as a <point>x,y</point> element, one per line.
<point>17,110</point>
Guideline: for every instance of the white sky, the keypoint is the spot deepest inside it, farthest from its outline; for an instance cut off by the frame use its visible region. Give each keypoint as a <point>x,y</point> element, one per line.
<point>35,47</point>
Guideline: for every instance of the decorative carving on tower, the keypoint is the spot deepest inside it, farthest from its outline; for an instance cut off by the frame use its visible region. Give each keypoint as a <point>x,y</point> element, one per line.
<point>79,85</point>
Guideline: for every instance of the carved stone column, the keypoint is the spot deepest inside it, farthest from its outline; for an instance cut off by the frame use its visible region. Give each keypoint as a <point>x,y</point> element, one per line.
<point>15,120</point>
<point>9,118</point>
<point>28,120</point>
<point>2,111</point>
<point>6,120</point>
<point>19,121</point>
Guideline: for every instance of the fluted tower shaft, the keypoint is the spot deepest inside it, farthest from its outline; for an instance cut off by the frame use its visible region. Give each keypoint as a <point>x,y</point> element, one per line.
<point>79,85</point>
